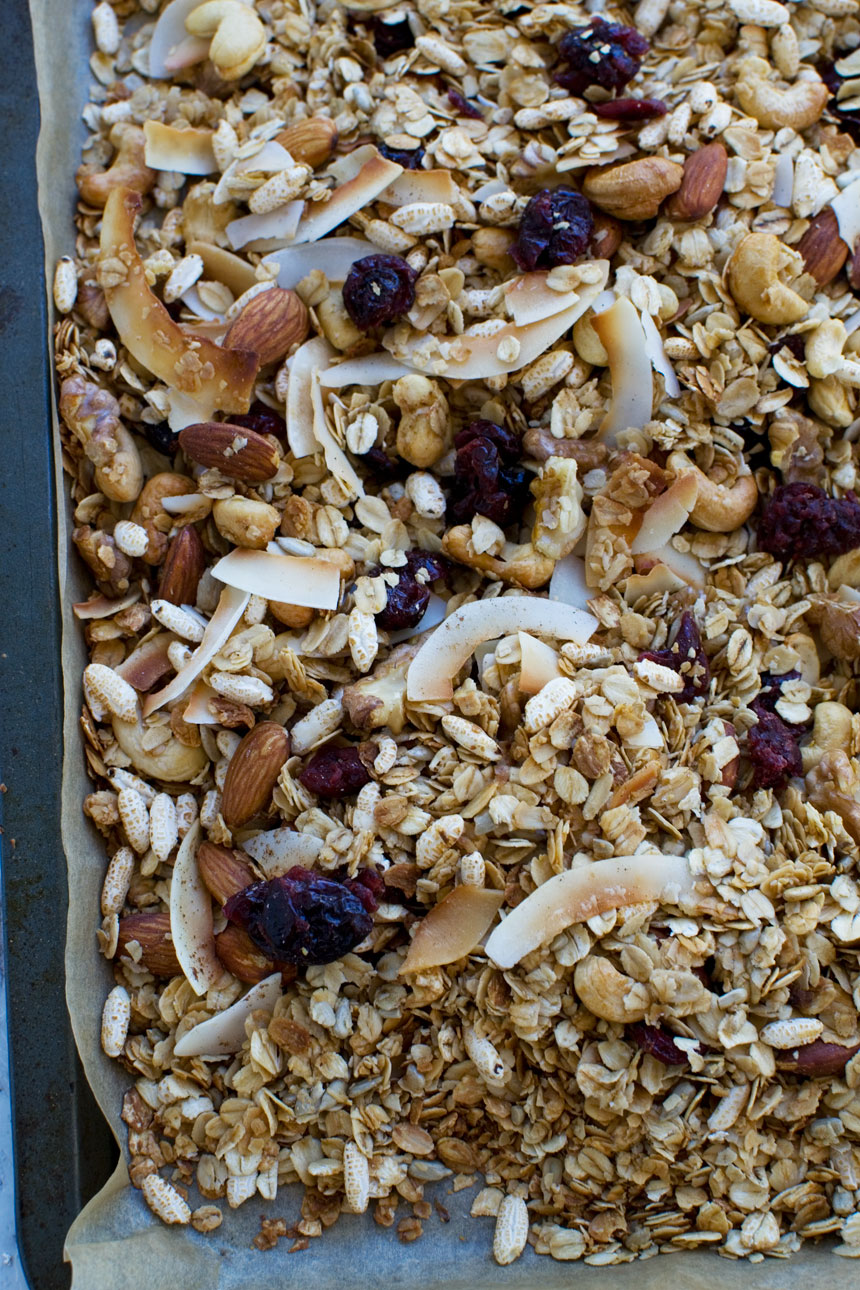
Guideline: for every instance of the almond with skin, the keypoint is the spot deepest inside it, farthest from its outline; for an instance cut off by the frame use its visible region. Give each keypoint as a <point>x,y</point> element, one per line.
<point>240,956</point>
<point>183,567</point>
<point>253,773</point>
<point>702,185</point>
<point>270,324</point>
<point>223,870</point>
<point>823,250</point>
<point>236,451</point>
<point>310,142</point>
<point>152,933</point>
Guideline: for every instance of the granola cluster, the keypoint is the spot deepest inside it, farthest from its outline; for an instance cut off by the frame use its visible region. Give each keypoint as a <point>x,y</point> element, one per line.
<point>504,602</point>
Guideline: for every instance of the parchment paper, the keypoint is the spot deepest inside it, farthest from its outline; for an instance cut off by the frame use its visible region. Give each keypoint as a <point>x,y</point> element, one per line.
<point>116,1243</point>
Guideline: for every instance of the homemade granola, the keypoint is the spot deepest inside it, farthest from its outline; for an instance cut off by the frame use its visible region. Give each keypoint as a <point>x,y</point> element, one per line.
<point>460,403</point>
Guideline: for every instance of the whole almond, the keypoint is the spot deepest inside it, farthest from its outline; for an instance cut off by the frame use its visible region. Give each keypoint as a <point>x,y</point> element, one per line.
<point>240,956</point>
<point>270,324</point>
<point>253,773</point>
<point>152,933</point>
<point>635,189</point>
<point>823,250</point>
<point>702,186</point>
<point>311,142</point>
<point>223,870</point>
<point>236,451</point>
<point>183,567</point>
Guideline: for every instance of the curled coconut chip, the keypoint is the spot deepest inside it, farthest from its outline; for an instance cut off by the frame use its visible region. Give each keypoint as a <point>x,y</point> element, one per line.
<point>224,1033</point>
<point>568,583</point>
<point>453,928</point>
<point>148,663</point>
<point>357,193</point>
<point>846,208</point>
<point>530,300</point>
<point>659,359</point>
<point>197,711</point>
<point>307,360</point>
<point>277,850</point>
<point>266,232</point>
<point>538,664</point>
<point>422,186</point>
<point>222,266</point>
<point>191,917</point>
<point>579,894</point>
<point>189,152</point>
<point>440,658</point>
<point>666,515</point>
<point>367,369</point>
<point>290,579</point>
<point>620,332</point>
<point>335,458</point>
<point>231,607</point>
<point>205,376</point>
<point>170,47</point>
<point>656,582</point>
<point>297,262</point>
<point>683,563</point>
<point>103,607</point>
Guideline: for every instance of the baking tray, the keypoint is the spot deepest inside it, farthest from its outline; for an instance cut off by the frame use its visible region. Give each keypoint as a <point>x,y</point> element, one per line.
<point>63,1149</point>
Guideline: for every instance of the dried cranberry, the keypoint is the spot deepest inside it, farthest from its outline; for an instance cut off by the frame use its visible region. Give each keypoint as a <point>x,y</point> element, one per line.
<point>378,289</point>
<point>162,438</point>
<point>408,599</point>
<point>333,772</point>
<point>773,751</point>
<point>263,419</point>
<point>384,468</point>
<point>409,158</point>
<point>486,480</point>
<point>300,917</point>
<point>687,657</point>
<point>555,228</point>
<point>658,1042</point>
<point>800,522</point>
<point>771,691</point>
<point>756,447</point>
<point>603,53</point>
<point>391,37</point>
<point>630,109</point>
<point>795,345</point>
<point>463,107</point>
<point>368,886</point>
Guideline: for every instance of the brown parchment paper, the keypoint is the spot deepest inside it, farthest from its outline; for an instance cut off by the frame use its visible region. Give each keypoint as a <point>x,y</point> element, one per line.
<point>116,1243</point>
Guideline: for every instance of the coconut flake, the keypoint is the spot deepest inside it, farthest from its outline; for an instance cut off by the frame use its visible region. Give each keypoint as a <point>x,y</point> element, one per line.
<point>321,217</point>
<point>453,928</point>
<point>223,266</point>
<point>368,369</point>
<point>204,316</point>
<point>224,1033</point>
<point>648,737</point>
<point>189,152</point>
<point>660,580</point>
<point>338,255</point>
<point>538,664</point>
<point>268,160</point>
<point>307,360</point>
<point>170,46</point>
<point>579,894</point>
<point>683,563</point>
<point>348,165</point>
<point>846,208</point>
<point>666,515</point>
<point>291,579</point>
<point>568,583</point>
<point>198,712</point>
<point>433,615</point>
<point>102,607</point>
<point>148,663</point>
<point>530,300</point>
<point>335,458</point>
<point>422,186</point>
<point>621,335</point>
<point>278,225</point>
<point>181,503</point>
<point>191,918</point>
<point>278,850</point>
<point>783,180</point>
<point>231,607</point>
<point>658,356</point>
<point>441,656</point>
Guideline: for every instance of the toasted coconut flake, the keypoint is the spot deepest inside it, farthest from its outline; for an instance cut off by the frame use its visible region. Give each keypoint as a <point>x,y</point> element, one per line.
<point>538,663</point>
<point>198,712</point>
<point>191,917</point>
<point>621,334</point>
<point>568,583</point>
<point>223,266</point>
<point>846,208</point>
<point>268,160</point>
<point>682,563</point>
<point>335,458</point>
<point>341,254</point>
<point>278,850</point>
<point>171,48</point>
<point>231,607</point>
<point>453,928</point>
<point>579,894</point>
<point>440,658</point>
<point>648,737</point>
<point>530,300</point>
<point>148,663</point>
<point>321,217</point>
<point>657,354</point>
<point>666,516</point>
<point>422,186</point>
<point>658,581</point>
<point>306,361</point>
<point>290,579</point>
<point>102,607</point>
<point>192,366</point>
<point>278,225</point>
<point>224,1033</point>
<point>348,166</point>
<point>187,151</point>
<point>368,369</point>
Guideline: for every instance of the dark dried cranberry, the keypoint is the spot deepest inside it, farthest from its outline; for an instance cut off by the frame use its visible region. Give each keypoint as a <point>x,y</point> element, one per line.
<point>384,468</point>
<point>333,772</point>
<point>433,566</point>
<point>801,522</point>
<point>486,480</point>
<point>409,158</point>
<point>555,228</point>
<point>687,657</point>
<point>378,289</point>
<point>300,917</point>
<point>263,419</point>
<point>391,37</point>
<point>463,107</point>
<point>658,1042</point>
<point>408,599</point>
<point>630,109</point>
<point>162,438</point>
<point>368,886</point>
<point>771,690</point>
<point>603,53</point>
<point>772,750</point>
<point>795,345</point>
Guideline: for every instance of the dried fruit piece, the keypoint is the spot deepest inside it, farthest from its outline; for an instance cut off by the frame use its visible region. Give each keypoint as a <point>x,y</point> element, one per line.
<point>487,477</point>
<point>773,751</point>
<point>407,601</point>
<point>603,53</point>
<point>378,289</point>
<point>334,771</point>
<point>555,228</point>
<point>409,158</point>
<point>300,918</point>
<point>686,656</point>
<point>658,1043</point>
<point>630,109</point>
<point>253,772</point>
<point>800,522</point>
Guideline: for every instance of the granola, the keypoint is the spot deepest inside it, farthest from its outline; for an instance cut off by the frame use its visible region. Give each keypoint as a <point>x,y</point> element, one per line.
<point>459,403</point>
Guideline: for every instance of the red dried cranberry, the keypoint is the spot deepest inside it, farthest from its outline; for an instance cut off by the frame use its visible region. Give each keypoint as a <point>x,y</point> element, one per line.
<point>771,691</point>
<point>603,53</point>
<point>407,600</point>
<point>409,158</point>
<point>368,886</point>
<point>687,657</point>
<point>486,482</point>
<point>378,289</point>
<point>300,917</point>
<point>333,772</point>
<point>772,750</point>
<point>555,228</point>
<point>263,419</point>
<point>463,107</point>
<point>801,522</point>
<point>391,37</point>
<point>658,1042</point>
<point>162,438</point>
<point>630,109</point>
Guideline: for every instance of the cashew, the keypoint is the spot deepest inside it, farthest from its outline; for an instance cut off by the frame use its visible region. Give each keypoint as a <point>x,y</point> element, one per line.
<point>127,170</point>
<point>150,514</point>
<point>831,727</point>
<point>92,414</point>
<point>522,566</point>
<point>423,434</point>
<point>246,522</point>
<point>753,278</point>
<point>238,35</point>
<point>559,518</point>
<point>587,343</point>
<point>171,761</point>
<point>295,616</point>
<point>774,106</point>
<point>719,508</point>
<point>607,992</point>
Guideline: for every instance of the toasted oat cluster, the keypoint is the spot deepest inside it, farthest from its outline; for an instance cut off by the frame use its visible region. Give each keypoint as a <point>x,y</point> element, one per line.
<point>459,402</point>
